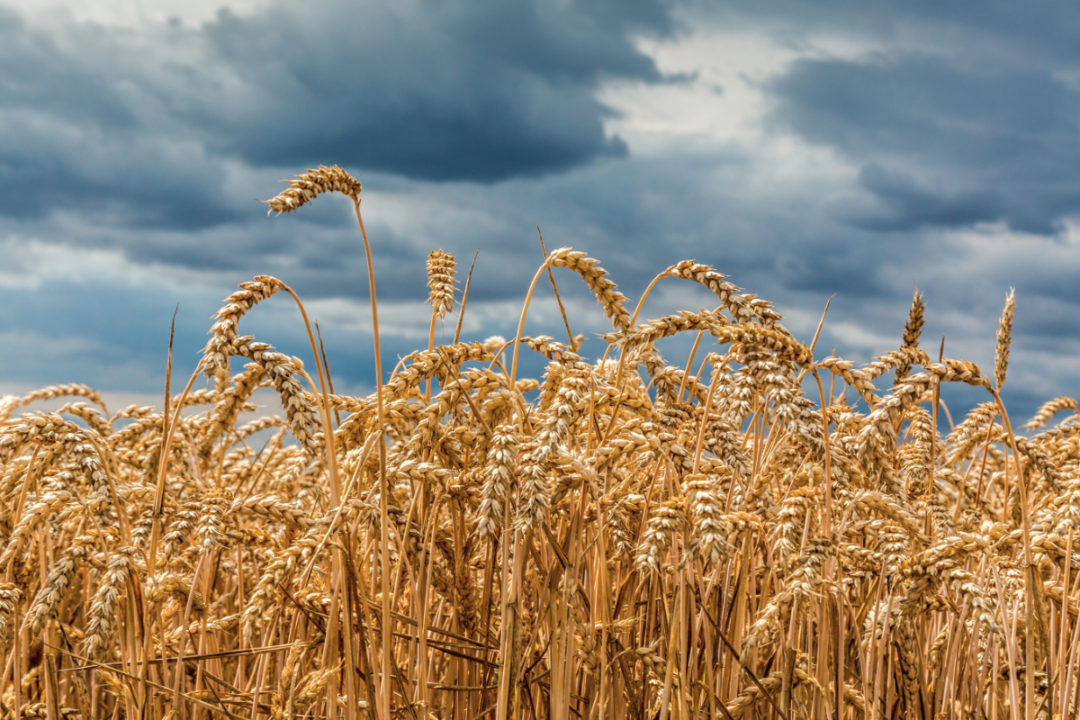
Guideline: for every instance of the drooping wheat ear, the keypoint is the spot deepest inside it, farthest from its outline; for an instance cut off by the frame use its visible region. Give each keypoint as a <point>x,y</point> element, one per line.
<point>85,455</point>
<point>223,333</point>
<point>912,330</point>
<point>68,389</point>
<point>1041,460</point>
<point>552,349</point>
<point>311,686</point>
<point>968,433</point>
<point>283,373</point>
<point>56,584</point>
<point>89,415</point>
<point>908,665</point>
<point>10,595</point>
<point>422,364</point>
<point>757,336</point>
<point>743,307</point>
<point>440,278</point>
<point>179,529</point>
<point>855,378</point>
<point>1004,338</point>
<point>229,406</point>
<point>306,187</point>
<point>745,705</point>
<point>683,321</point>
<point>8,404</point>
<point>30,428</point>
<point>273,508</point>
<point>1049,410</point>
<point>277,574</point>
<point>877,435</point>
<point>50,504</point>
<point>596,278</point>
<point>895,359</point>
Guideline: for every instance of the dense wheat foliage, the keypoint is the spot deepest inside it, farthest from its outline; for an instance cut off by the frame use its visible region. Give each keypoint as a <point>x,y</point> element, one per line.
<point>752,531</point>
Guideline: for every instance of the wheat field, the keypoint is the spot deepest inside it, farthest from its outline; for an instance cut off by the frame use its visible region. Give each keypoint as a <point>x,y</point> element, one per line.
<point>753,530</point>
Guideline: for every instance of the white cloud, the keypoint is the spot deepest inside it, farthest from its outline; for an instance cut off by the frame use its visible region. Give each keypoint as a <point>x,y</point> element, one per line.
<point>723,103</point>
<point>131,14</point>
<point>30,264</point>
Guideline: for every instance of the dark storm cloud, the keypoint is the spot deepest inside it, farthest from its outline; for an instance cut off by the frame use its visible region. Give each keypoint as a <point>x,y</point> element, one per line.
<point>906,204</point>
<point>140,129</point>
<point>942,143</point>
<point>42,76</point>
<point>435,90</point>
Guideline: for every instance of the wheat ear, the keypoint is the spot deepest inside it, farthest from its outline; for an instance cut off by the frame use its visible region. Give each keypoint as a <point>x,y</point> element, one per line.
<point>307,186</point>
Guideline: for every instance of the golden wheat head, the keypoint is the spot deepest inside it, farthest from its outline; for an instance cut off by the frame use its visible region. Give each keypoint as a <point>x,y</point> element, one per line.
<point>307,186</point>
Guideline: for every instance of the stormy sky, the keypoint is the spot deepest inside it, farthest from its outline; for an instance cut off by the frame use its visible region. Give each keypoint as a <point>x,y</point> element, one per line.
<point>856,149</point>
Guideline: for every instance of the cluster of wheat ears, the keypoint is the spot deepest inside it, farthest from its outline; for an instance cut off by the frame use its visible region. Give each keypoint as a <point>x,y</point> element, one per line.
<point>749,532</point>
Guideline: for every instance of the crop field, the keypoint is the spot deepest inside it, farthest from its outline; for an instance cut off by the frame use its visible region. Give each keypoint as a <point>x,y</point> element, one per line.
<point>754,529</point>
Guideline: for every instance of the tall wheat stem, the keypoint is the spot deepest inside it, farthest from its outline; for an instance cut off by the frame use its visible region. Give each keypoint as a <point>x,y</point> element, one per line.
<point>385,690</point>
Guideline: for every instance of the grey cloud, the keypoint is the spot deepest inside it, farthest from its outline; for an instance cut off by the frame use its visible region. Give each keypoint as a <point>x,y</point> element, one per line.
<point>104,332</point>
<point>905,204</point>
<point>42,74</point>
<point>829,271</point>
<point>79,132</point>
<point>1005,139</point>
